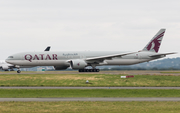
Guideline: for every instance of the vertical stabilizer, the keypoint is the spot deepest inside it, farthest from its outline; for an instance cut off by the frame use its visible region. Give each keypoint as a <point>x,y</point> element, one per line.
<point>155,42</point>
<point>48,48</point>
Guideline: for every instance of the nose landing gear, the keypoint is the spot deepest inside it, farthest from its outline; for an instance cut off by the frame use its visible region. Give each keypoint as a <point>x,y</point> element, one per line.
<point>18,71</point>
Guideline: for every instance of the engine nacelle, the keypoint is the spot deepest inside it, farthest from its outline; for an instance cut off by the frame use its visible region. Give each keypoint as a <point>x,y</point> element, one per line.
<point>78,64</point>
<point>5,67</point>
<point>60,67</point>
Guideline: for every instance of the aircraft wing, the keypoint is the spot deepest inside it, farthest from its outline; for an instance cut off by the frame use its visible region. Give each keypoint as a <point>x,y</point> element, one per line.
<point>108,57</point>
<point>160,54</point>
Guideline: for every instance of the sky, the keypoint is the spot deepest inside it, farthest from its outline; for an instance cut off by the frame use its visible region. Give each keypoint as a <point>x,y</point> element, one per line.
<point>87,25</point>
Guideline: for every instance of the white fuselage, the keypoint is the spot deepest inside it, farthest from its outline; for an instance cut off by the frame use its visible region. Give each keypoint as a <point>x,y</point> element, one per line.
<point>61,58</point>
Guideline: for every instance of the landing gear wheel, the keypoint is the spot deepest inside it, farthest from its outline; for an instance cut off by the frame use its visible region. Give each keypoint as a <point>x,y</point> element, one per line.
<point>97,70</point>
<point>90,70</point>
<point>18,71</point>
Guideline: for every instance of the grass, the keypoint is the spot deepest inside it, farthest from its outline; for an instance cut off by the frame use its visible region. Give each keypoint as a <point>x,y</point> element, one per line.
<point>89,107</point>
<point>45,93</point>
<point>170,72</point>
<point>80,79</point>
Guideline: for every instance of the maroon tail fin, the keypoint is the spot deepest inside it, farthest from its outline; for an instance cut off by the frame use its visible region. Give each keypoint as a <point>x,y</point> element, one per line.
<point>155,42</point>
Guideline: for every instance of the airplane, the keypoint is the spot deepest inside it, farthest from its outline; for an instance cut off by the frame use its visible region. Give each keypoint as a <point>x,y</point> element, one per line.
<point>6,66</point>
<point>81,60</point>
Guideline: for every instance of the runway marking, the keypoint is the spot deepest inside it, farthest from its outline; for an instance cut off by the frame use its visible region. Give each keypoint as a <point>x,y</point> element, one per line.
<point>87,99</point>
<point>89,87</point>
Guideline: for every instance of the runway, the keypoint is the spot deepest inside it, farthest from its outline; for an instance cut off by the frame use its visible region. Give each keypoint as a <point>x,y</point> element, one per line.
<point>87,99</point>
<point>89,87</point>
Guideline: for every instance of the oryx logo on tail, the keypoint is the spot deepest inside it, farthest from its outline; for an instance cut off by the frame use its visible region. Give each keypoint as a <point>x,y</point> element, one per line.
<point>155,43</point>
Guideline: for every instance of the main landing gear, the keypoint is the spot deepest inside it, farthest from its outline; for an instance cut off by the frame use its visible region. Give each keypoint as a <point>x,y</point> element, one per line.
<point>89,70</point>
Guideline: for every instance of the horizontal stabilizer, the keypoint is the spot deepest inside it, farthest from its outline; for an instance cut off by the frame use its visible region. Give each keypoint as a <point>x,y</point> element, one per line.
<point>160,54</point>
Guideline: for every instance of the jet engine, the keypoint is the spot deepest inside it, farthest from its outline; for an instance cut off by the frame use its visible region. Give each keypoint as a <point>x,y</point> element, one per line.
<point>60,67</point>
<point>5,67</point>
<point>78,64</point>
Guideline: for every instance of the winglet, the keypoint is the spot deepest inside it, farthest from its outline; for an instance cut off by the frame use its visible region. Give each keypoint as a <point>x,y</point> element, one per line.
<point>155,42</point>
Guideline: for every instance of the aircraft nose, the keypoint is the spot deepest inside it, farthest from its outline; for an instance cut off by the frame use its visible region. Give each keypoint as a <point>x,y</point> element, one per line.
<point>7,61</point>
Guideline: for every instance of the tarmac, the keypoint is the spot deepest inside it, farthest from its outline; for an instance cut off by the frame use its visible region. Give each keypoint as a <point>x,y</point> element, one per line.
<point>89,87</point>
<point>122,72</point>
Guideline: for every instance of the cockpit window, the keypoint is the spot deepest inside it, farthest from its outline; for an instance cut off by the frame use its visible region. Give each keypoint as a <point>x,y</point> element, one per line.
<point>10,57</point>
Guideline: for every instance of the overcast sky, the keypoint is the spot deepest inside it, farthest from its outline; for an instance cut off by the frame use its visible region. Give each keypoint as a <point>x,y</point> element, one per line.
<point>95,25</point>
